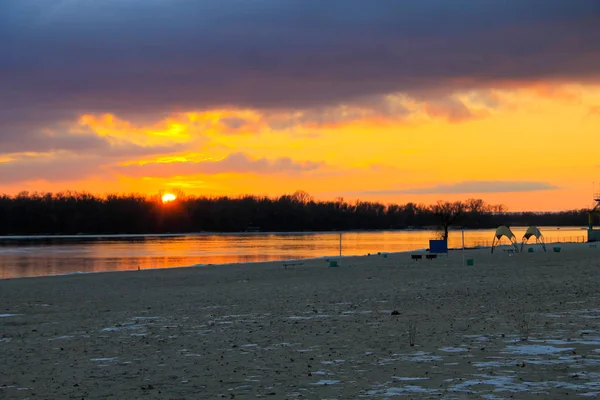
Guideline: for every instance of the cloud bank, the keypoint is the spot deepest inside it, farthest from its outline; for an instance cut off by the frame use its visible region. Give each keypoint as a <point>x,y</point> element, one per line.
<point>234,163</point>
<point>468,187</point>
<point>119,56</point>
<point>311,63</point>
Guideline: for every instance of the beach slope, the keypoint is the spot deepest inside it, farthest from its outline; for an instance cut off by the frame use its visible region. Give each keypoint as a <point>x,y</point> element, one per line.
<point>526,325</point>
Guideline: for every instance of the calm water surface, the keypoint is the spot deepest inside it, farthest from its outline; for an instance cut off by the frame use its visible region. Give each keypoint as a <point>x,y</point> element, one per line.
<point>40,256</point>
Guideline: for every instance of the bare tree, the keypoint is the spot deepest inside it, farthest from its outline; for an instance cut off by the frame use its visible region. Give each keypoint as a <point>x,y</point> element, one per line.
<point>498,209</point>
<point>476,206</point>
<point>301,197</point>
<point>448,214</point>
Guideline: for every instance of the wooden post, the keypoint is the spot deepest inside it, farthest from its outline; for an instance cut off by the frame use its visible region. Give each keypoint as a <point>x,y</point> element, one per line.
<point>463,247</point>
<point>340,249</point>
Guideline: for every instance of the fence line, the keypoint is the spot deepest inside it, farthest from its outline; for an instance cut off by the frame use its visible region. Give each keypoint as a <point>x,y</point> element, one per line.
<point>548,240</point>
<point>567,239</point>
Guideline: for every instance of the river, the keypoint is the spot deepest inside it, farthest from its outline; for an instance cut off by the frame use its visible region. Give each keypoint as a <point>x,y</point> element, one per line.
<point>55,255</point>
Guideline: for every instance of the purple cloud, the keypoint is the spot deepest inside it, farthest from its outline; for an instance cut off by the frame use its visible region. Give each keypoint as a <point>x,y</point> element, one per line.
<point>141,58</point>
<point>51,169</point>
<point>109,55</point>
<point>233,163</point>
<point>448,108</point>
<point>68,164</point>
<point>471,187</point>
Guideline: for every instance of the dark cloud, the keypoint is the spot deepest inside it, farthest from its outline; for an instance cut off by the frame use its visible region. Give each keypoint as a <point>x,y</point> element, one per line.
<point>333,60</point>
<point>14,141</point>
<point>233,163</point>
<point>32,130</point>
<point>124,56</point>
<point>51,169</point>
<point>67,164</point>
<point>471,187</point>
<point>40,134</point>
<point>18,141</point>
<point>342,113</point>
<point>448,108</point>
<point>234,123</point>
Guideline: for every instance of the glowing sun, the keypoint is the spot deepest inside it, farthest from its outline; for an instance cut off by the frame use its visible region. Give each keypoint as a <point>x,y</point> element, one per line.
<point>168,197</point>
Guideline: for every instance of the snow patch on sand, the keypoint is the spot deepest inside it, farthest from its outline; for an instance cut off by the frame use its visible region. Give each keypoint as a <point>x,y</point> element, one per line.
<point>419,356</point>
<point>493,364</point>
<point>502,384</point>
<point>322,373</point>
<point>590,394</point>
<point>507,384</point>
<point>453,349</point>
<point>403,391</point>
<point>402,378</point>
<point>325,382</point>
<point>124,327</point>
<point>61,337</point>
<point>592,341</point>
<point>300,318</point>
<point>534,349</point>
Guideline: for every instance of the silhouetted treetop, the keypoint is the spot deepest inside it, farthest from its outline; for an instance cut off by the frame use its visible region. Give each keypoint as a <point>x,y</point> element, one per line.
<point>77,212</point>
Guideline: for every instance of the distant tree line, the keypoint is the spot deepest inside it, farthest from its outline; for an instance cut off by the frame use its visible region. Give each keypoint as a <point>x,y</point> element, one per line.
<point>83,213</point>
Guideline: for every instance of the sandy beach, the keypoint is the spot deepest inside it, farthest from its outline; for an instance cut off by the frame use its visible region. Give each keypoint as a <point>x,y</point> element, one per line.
<point>511,326</point>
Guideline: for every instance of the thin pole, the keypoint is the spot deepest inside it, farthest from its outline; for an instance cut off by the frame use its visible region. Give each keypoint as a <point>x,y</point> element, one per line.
<point>340,248</point>
<point>463,246</point>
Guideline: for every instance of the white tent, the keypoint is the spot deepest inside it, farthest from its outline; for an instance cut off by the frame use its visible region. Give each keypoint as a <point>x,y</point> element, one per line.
<point>506,232</point>
<point>533,231</point>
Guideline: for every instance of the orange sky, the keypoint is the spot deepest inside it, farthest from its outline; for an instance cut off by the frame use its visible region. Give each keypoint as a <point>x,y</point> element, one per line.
<point>530,147</point>
<point>394,101</point>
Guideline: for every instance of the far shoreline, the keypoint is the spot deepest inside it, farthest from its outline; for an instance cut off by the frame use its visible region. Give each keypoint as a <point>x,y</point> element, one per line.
<point>299,260</point>
<point>259,233</point>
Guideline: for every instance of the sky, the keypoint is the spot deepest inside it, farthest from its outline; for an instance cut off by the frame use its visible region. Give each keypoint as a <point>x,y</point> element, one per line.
<point>391,101</point>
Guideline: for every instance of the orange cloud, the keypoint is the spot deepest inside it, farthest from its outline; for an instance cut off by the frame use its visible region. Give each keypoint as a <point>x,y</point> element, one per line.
<point>362,148</point>
<point>594,110</point>
<point>118,131</point>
